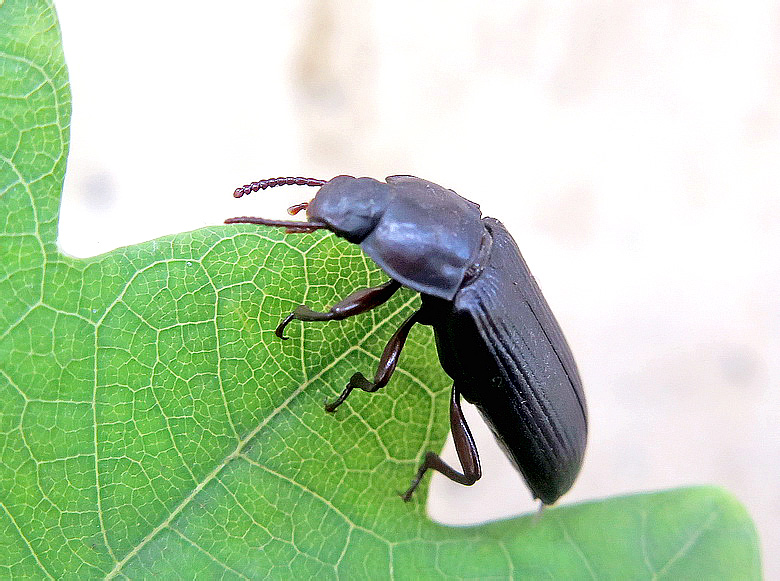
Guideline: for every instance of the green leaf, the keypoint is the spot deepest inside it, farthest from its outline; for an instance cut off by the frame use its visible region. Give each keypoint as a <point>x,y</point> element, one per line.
<point>152,424</point>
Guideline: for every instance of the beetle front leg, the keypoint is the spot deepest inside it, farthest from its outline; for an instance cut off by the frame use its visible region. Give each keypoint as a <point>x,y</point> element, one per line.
<point>386,367</point>
<point>465,447</point>
<point>358,302</point>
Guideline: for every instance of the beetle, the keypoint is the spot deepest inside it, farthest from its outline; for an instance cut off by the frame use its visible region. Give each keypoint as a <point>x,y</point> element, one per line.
<point>496,337</point>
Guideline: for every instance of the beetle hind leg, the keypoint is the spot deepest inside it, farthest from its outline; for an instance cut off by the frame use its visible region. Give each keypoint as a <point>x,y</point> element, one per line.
<point>465,447</point>
<point>358,302</point>
<point>386,367</point>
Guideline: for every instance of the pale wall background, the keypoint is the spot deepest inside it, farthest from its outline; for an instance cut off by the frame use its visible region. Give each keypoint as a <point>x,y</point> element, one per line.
<point>633,148</point>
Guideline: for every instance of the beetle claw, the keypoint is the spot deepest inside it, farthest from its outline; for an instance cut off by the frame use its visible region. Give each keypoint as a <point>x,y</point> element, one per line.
<point>330,407</point>
<point>280,329</point>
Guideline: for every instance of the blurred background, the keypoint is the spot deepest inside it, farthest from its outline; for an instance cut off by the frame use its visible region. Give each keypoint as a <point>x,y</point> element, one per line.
<point>632,148</point>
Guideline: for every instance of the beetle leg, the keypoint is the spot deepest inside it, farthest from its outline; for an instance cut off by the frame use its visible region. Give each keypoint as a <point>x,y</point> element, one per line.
<point>358,302</point>
<point>386,367</point>
<point>464,445</point>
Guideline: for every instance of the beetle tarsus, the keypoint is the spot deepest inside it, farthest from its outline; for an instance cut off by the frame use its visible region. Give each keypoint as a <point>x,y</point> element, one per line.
<point>358,302</point>
<point>464,446</point>
<point>357,381</point>
<point>280,329</point>
<point>331,407</point>
<point>386,367</point>
<point>302,313</point>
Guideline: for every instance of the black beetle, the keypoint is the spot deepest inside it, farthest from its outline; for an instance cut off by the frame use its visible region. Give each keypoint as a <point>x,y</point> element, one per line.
<point>495,334</point>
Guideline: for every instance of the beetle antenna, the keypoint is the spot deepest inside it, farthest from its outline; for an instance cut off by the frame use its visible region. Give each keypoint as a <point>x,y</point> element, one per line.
<point>293,226</point>
<point>273,182</point>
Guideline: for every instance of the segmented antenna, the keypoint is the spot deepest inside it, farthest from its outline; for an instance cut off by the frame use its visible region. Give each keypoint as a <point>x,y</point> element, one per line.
<point>291,226</point>
<point>273,182</point>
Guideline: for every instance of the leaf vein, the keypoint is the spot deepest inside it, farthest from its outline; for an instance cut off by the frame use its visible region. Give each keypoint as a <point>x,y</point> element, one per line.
<point>209,555</point>
<point>26,541</point>
<point>238,450</point>
<point>686,547</point>
<point>576,548</point>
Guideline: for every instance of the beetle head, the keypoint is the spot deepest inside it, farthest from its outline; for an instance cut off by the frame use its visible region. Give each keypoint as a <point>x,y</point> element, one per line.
<point>351,207</point>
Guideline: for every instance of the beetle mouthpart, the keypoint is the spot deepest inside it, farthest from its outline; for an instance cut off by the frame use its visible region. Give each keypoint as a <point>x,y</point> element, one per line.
<point>274,182</point>
<point>293,210</point>
<point>293,226</point>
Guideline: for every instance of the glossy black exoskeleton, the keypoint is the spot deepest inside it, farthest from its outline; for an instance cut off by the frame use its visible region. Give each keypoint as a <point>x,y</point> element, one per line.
<point>495,334</point>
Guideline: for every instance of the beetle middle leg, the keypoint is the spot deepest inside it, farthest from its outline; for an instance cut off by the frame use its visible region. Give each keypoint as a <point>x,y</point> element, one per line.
<point>358,302</point>
<point>464,445</point>
<point>386,367</point>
